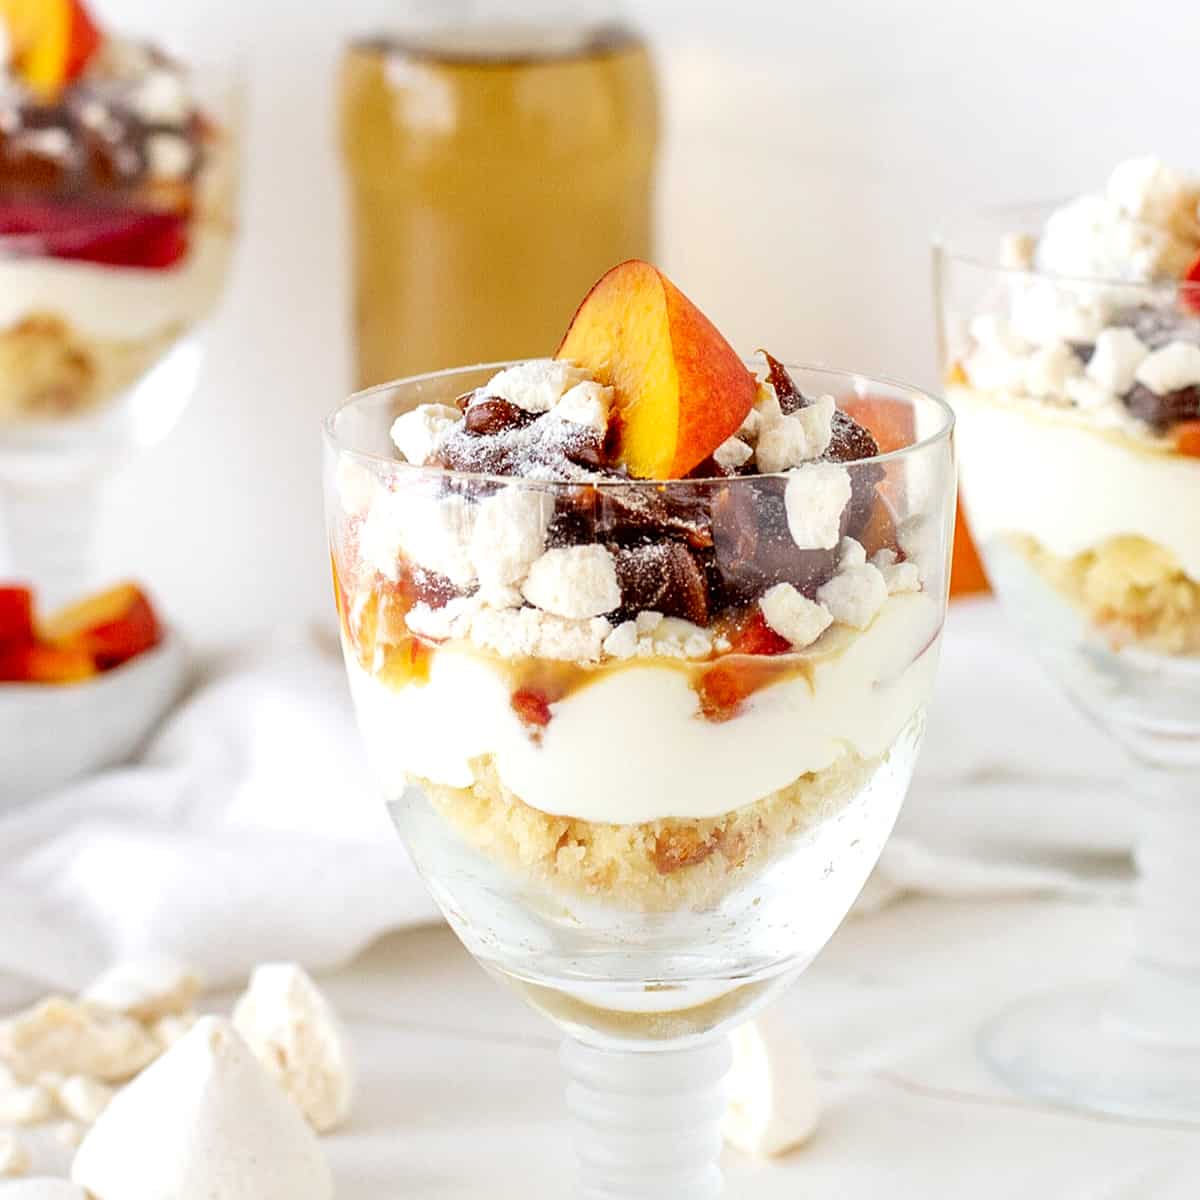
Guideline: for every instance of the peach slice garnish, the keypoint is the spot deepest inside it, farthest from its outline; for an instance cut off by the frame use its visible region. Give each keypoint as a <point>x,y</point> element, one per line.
<point>112,627</point>
<point>680,390</point>
<point>51,40</point>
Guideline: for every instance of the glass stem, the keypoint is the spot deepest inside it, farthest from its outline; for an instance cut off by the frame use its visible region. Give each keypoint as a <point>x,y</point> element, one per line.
<point>1159,998</point>
<point>50,534</point>
<point>647,1123</point>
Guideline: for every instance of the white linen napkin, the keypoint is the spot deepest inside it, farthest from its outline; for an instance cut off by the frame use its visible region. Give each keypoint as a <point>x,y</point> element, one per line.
<point>250,828</point>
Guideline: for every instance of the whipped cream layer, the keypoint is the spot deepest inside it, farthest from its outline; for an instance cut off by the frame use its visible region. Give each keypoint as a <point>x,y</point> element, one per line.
<point>632,746</point>
<point>1046,472</point>
<point>117,303</point>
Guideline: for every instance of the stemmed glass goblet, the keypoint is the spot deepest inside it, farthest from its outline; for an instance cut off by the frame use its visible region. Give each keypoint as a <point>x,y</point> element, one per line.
<point>1085,501</point>
<point>101,343</point>
<point>648,848</point>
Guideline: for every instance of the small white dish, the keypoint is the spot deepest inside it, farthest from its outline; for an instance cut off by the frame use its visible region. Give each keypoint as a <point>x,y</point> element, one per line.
<point>51,734</point>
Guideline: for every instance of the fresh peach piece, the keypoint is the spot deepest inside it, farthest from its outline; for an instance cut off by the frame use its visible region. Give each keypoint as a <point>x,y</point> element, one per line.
<point>51,40</point>
<point>967,576</point>
<point>1190,293</point>
<point>112,627</point>
<point>892,423</point>
<point>16,615</point>
<point>31,663</point>
<point>680,389</point>
<point>1187,438</point>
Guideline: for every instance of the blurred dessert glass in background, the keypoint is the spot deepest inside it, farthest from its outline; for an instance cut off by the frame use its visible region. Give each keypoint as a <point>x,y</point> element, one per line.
<point>117,185</point>
<point>500,157</point>
<point>1071,349</point>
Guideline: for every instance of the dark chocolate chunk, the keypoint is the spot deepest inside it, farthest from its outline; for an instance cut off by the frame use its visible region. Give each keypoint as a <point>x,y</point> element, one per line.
<point>1161,412</point>
<point>1159,326</point>
<point>494,415</point>
<point>753,548</point>
<point>789,395</point>
<point>662,577</point>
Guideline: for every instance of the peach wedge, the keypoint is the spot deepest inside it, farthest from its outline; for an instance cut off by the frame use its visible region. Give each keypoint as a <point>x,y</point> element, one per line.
<point>680,390</point>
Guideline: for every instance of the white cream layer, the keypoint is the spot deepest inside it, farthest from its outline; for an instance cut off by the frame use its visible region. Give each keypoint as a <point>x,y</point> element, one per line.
<point>117,303</point>
<point>1032,469</point>
<point>633,746</point>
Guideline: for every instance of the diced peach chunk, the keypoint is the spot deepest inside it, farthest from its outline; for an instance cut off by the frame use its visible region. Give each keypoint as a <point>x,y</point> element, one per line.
<point>31,663</point>
<point>113,626</point>
<point>16,615</point>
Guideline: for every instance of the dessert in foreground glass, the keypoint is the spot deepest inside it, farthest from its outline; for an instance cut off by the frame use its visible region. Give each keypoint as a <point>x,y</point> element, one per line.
<point>1072,356</point>
<point>641,638</point>
<point>117,170</point>
<point>499,157</point>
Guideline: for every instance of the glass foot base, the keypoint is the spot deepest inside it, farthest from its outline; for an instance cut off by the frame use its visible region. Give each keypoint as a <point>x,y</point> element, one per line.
<point>1070,1048</point>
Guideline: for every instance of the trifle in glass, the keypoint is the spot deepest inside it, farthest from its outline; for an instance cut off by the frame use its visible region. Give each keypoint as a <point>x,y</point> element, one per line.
<point>117,185</point>
<point>641,638</point>
<point>1071,344</point>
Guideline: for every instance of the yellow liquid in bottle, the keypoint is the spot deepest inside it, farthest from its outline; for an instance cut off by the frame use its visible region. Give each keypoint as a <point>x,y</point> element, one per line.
<point>489,188</point>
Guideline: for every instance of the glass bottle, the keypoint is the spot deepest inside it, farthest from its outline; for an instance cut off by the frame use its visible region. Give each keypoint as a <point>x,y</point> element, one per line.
<point>500,158</point>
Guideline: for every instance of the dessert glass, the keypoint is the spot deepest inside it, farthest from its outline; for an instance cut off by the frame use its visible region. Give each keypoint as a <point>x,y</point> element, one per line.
<point>1088,521</point>
<point>646,849</point>
<point>99,361</point>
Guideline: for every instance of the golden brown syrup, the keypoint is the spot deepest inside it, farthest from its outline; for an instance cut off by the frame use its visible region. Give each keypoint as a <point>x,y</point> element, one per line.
<point>388,650</point>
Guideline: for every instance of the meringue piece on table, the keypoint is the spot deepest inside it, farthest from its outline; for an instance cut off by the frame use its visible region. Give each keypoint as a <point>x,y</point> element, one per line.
<point>14,1157</point>
<point>22,1104</point>
<point>144,990</point>
<point>83,1099</point>
<point>297,1037</point>
<point>72,1038</point>
<point>774,1099</point>
<point>205,1122</point>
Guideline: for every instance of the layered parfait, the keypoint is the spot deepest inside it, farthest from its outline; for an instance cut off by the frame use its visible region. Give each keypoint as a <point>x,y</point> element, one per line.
<point>1076,378</point>
<point>633,617</point>
<point>116,188</point>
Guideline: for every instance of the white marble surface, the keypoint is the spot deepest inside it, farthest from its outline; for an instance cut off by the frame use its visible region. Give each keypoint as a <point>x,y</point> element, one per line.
<point>461,1095</point>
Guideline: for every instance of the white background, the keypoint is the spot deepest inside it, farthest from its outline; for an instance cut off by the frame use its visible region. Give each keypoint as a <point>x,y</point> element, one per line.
<point>810,150</point>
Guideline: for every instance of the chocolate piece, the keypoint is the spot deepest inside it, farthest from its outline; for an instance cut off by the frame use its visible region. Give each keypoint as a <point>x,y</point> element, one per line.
<point>789,395</point>
<point>662,577</point>
<point>113,139</point>
<point>498,438</point>
<point>40,153</point>
<point>1159,326</point>
<point>494,415</point>
<point>632,516</point>
<point>753,547</point>
<point>1161,412</point>
<point>431,588</point>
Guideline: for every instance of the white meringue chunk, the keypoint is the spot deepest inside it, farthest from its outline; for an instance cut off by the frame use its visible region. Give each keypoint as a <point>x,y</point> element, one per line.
<point>145,990</point>
<point>14,1157</point>
<point>205,1122</point>
<point>774,1098</point>
<point>293,1030</point>
<point>71,1038</point>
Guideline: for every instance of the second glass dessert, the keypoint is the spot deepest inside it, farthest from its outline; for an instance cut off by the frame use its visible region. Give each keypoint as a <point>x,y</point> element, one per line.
<point>641,639</point>
<point>118,171</point>
<point>1072,355</point>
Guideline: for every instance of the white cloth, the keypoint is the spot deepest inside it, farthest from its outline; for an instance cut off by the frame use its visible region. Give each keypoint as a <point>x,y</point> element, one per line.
<point>250,829</point>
